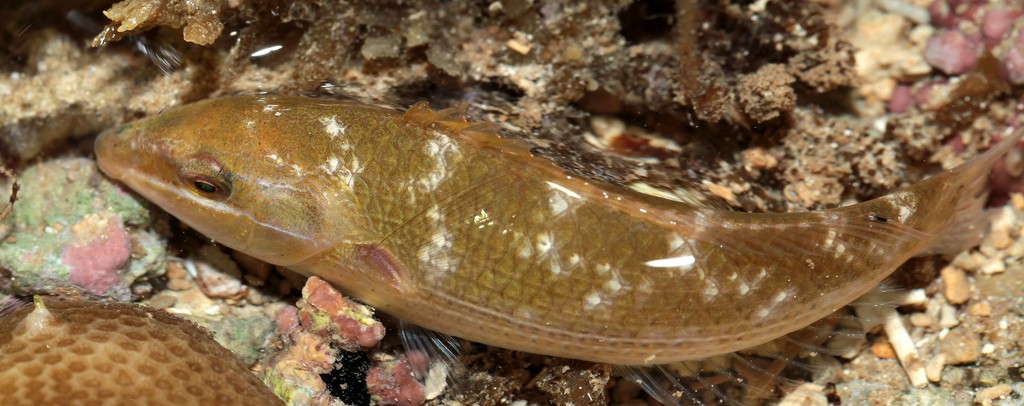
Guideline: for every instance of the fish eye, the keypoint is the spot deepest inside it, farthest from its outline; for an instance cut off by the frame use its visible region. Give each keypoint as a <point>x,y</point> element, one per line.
<point>206,186</point>
<point>206,177</point>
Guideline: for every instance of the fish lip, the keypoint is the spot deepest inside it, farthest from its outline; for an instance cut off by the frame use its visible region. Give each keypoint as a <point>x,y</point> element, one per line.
<point>103,146</point>
<point>100,146</point>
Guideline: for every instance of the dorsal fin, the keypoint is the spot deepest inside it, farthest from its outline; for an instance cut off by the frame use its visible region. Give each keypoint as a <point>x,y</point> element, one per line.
<point>450,119</point>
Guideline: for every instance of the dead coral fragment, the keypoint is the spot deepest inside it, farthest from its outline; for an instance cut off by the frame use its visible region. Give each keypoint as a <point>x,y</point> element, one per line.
<point>350,325</point>
<point>200,19</point>
<point>63,351</point>
<point>391,381</point>
<point>767,92</point>
<point>314,335</point>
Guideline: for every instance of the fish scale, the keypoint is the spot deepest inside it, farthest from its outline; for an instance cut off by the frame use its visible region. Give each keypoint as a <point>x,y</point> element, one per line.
<point>442,223</point>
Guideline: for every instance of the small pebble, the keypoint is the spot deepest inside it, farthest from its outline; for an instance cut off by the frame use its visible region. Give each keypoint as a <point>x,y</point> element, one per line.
<point>997,23</point>
<point>992,267</point>
<point>948,316</point>
<point>933,369</point>
<point>987,396</point>
<point>1000,238</point>
<point>179,284</point>
<point>982,309</point>
<point>882,349</point>
<point>846,346</point>
<point>955,286</point>
<point>217,275</point>
<point>902,99</point>
<point>1013,64</point>
<point>162,301</point>
<point>807,394</point>
<point>965,260</point>
<point>175,270</point>
<point>759,158</point>
<point>921,320</point>
<point>952,52</point>
<point>1017,199</point>
<point>961,347</point>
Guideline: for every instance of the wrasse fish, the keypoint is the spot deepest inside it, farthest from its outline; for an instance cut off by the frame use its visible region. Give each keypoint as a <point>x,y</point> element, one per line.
<point>441,223</point>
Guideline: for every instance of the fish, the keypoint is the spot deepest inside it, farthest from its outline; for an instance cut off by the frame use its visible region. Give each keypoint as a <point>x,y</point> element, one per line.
<point>443,223</point>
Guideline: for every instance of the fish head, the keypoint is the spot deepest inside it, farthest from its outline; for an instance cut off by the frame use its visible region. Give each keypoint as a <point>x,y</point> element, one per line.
<point>234,171</point>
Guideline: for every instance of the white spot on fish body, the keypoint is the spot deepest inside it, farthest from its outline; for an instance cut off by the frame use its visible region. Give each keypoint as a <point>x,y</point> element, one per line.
<point>332,127</point>
<point>274,158</point>
<point>331,166</point>
<point>544,243</point>
<point>684,262</point>
<point>831,238</point>
<point>644,287</point>
<point>905,212</point>
<point>574,259</point>
<point>442,239</point>
<point>710,290</point>
<point>840,249</point>
<point>411,193</point>
<point>743,288</point>
<point>525,249</point>
<point>592,300</point>
<point>434,214</point>
<point>566,190</point>
<point>613,284</point>
<point>348,175</point>
<point>442,150</point>
<point>555,266</point>
<point>675,242</point>
<point>432,180</point>
<point>557,203</point>
<point>758,278</point>
<point>482,220</point>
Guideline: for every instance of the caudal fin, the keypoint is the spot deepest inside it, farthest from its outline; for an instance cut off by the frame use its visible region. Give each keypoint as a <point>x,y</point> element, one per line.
<point>970,220</point>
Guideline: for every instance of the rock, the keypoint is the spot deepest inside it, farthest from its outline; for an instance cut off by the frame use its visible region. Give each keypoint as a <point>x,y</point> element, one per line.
<point>952,52</point>
<point>961,347</point>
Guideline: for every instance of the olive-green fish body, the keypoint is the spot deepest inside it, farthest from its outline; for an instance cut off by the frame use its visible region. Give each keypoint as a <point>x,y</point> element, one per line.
<point>440,222</point>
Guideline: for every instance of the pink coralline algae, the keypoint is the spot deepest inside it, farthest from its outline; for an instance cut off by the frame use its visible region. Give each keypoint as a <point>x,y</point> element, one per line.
<point>997,23</point>
<point>392,382</point>
<point>949,13</point>
<point>902,99</point>
<point>1013,63</point>
<point>952,52</point>
<point>95,263</point>
<point>351,327</point>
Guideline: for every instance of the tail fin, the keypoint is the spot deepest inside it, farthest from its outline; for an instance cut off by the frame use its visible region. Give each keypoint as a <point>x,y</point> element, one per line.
<point>970,221</point>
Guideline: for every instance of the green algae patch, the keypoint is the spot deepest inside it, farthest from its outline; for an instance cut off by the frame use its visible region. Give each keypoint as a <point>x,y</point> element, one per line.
<point>72,226</point>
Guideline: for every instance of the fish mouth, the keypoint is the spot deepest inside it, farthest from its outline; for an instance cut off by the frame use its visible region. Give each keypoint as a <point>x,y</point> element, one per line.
<point>120,160</point>
<point>108,156</point>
